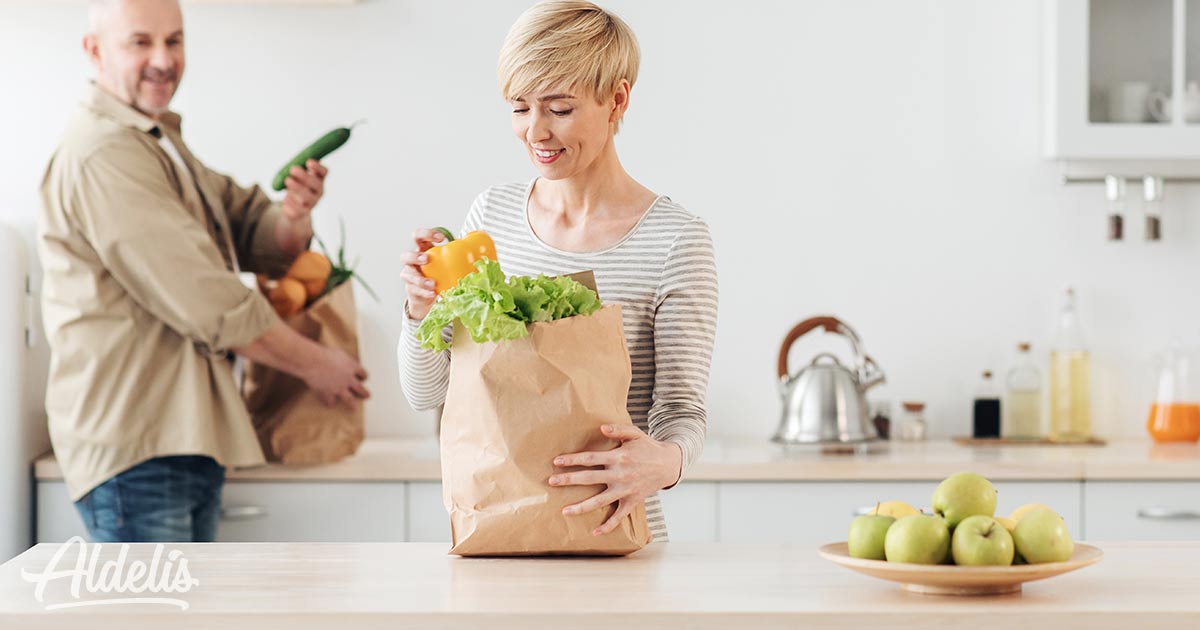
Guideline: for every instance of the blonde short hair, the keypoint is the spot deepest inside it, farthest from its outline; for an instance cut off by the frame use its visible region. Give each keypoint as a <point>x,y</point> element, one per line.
<point>567,42</point>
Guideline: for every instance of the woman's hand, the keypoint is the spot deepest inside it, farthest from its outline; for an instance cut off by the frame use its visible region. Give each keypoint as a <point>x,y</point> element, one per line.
<point>636,469</point>
<point>421,294</point>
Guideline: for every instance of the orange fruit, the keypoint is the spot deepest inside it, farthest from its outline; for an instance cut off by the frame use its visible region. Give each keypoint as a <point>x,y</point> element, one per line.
<point>287,297</point>
<point>312,270</point>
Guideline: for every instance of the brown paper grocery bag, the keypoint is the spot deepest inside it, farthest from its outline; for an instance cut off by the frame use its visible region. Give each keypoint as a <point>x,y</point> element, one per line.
<point>512,406</point>
<point>293,425</point>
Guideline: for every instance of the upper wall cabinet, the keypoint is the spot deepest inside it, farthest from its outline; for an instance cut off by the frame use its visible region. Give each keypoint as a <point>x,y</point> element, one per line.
<point>1122,79</point>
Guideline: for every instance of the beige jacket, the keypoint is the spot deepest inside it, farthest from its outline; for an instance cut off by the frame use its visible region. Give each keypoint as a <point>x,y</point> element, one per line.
<point>140,302</point>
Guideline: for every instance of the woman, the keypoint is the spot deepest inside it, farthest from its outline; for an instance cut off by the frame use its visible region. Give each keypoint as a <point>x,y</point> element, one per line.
<point>567,69</point>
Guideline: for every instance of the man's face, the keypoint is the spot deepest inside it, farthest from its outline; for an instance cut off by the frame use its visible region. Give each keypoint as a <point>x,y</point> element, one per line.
<point>137,47</point>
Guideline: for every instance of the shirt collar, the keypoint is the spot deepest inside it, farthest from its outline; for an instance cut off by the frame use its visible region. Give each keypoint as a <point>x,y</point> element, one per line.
<point>100,101</point>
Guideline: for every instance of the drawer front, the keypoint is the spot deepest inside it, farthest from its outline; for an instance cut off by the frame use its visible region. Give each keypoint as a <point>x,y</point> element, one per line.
<point>312,512</point>
<point>427,517</point>
<point>814,513</point>
<point>1065,497</point>
<point>57,519</point>
<point>691,511</point>
<point>805,513</point>
<point>1142,510</point>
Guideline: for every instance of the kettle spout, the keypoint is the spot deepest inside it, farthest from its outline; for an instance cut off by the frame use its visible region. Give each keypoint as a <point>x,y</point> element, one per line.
<point>871,375</point>
<point>873,379</point>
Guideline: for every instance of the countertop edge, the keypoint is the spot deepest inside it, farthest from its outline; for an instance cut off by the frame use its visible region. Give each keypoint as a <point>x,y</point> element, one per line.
<point>735,460</point>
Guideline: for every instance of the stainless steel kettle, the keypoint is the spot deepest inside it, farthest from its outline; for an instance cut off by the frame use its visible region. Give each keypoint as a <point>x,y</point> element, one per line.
<point>826,400</point>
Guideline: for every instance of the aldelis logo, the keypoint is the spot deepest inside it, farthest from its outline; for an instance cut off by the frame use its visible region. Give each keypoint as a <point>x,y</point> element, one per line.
<point>165,573</point>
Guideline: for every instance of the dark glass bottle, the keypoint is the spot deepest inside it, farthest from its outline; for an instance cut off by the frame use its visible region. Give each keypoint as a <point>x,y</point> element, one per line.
<point>986,417</point>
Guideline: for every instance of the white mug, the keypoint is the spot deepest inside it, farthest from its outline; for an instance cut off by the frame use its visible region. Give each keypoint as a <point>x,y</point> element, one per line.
<point>1159,105</point>
<point>1128,102</point>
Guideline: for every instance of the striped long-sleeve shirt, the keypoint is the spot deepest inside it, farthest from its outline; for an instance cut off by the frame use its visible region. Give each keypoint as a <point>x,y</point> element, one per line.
<point>663,274</point>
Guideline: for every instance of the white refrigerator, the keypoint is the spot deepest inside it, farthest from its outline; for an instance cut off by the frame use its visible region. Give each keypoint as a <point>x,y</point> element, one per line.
<point>22,383</point>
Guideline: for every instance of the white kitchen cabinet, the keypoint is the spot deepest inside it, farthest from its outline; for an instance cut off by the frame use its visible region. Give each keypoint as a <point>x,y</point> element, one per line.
<point>813,513</point>
<point>427,517</point>
<point>57,519</point>
<point>267,512</point>
<point>691,511</point>
<point>312,512</point>
<point>1142,510</point>
<point>1104,61</point>
<point>1065,497</point>
<point>807,513</point>
<point>799,512</point>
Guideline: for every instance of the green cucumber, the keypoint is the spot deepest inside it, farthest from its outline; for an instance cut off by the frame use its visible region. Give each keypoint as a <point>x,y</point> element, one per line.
<point>324,145</point>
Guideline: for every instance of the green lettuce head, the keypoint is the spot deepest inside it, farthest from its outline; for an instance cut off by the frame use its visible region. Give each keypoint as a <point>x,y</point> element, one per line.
<point>492,308</point>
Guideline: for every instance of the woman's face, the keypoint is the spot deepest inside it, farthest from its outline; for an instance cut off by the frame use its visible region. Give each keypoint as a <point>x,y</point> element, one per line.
<point>564,130</point>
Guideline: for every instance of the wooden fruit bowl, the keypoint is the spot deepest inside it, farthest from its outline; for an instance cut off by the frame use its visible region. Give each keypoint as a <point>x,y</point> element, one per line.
<point>954,580</point>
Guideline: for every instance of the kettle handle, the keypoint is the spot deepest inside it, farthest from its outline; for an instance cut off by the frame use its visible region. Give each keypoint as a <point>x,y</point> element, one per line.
<point>831,325</point>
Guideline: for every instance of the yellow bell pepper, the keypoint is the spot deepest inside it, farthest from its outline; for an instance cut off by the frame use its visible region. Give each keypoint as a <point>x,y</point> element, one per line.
<point>449,262</point>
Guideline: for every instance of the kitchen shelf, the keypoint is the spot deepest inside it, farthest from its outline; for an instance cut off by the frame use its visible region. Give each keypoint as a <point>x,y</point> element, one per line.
<point>1096,51</point>
<point>279,3</point>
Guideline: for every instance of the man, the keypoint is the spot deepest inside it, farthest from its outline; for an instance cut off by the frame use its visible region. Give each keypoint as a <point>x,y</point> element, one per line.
<point>140,243</point>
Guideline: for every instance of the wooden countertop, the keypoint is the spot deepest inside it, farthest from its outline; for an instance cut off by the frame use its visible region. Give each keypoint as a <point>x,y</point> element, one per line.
<point>412,585</point>
<point>744,459</point>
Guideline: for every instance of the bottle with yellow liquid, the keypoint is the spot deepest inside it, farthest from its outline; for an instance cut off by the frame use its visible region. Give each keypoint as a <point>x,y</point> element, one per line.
<point>1070,375</point>
<point>1023,400</point>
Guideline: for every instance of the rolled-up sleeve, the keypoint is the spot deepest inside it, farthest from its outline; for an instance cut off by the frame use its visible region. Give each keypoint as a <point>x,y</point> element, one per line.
<point>161,255</point>
<point>252,219</point>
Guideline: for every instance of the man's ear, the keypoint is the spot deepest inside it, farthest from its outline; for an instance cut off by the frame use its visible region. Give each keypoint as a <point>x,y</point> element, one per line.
<point>91,48</point>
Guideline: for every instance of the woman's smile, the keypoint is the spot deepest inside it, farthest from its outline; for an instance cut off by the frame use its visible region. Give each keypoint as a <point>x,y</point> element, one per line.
<point>547,156</point>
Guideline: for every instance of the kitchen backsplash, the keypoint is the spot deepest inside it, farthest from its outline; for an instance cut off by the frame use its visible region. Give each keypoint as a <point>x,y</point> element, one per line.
<point>892,176</point>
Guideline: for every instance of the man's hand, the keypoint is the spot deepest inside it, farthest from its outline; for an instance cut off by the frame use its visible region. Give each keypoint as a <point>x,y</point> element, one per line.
<point>305,187</point>
<point>337,379</point>
<point>334,375</point>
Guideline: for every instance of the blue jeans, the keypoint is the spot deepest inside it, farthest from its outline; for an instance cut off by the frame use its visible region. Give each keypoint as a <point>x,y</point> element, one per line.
<point>165,499</point>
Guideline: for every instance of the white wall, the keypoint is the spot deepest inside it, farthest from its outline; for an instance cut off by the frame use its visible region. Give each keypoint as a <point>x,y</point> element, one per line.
<point>877,160</point>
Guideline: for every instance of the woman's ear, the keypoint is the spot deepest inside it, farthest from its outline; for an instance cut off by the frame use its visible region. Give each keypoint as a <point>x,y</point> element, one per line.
<point>620,102</point>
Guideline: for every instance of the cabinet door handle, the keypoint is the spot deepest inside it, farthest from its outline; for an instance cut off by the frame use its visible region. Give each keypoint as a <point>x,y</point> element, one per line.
<point>1168,514</point>
<point>243,512</point>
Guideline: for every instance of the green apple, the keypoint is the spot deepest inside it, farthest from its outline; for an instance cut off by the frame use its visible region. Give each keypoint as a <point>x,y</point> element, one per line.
<point>1041,536</point>
<point>961,495</point>
<point>919,539</point>
<point>949,559</point>
<point>1025,509</point>
<point>981,541</point>
<point>895,509</point>
<point>867,534</point>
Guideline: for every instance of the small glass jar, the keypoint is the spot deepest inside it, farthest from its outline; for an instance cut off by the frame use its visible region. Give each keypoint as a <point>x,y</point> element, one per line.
<point>911,427</point>
<point>1175,411</point>
<point>881,417</point>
